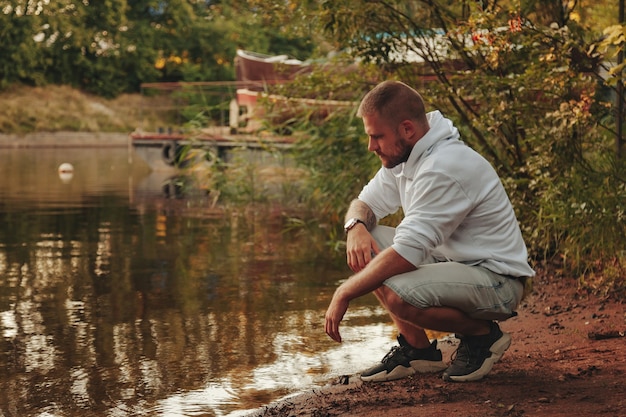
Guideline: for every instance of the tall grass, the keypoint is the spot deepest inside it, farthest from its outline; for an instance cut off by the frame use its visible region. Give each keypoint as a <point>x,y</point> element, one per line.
<point>61,108</point>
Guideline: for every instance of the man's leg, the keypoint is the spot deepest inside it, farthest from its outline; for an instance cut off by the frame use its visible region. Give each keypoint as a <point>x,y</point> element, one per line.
<point>414,355</point>
<point>415,352</point>
<point>411,321</point>
<point>407,321</point>
<point>459,299</point>
<point>448,297</point>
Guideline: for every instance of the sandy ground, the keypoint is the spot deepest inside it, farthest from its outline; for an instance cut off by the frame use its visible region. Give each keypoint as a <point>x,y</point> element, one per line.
<point>568,358</point>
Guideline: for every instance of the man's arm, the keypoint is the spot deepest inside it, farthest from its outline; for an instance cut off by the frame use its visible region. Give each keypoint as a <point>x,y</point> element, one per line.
<point>385,265</point>
<point>360,245</point>
<point>363,212</point>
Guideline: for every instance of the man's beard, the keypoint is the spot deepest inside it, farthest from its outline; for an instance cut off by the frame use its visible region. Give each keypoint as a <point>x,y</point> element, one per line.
<point>402,155</point>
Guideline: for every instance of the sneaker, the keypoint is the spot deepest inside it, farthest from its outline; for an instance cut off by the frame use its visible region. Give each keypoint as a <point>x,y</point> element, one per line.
<point>476,355</point>
<point>405,360</point>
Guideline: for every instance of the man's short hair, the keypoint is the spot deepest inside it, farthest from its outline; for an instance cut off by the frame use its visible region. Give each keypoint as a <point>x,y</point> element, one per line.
<point>393,101</point>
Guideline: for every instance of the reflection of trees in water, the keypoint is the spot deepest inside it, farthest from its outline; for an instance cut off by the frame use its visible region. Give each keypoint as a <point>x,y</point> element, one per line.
<point>101,310</point>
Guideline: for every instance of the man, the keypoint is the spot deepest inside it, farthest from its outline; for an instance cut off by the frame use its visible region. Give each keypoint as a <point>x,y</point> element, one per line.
<point>455,263</point>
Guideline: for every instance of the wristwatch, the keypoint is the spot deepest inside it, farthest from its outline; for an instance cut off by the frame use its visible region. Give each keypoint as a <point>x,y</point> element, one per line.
<point>351,223</point>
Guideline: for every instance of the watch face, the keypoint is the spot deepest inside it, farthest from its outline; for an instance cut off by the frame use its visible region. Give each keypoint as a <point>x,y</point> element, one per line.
<point>350,224</point>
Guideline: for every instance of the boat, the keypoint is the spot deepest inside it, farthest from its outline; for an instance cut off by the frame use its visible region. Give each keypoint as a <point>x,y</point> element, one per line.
<point>256,67</point>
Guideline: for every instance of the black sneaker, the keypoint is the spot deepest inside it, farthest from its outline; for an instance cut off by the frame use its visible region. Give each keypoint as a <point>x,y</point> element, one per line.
<point>476,355</point>
<point>405,360</point>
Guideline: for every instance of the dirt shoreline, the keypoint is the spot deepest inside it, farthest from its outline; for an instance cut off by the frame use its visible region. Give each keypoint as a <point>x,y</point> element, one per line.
<point>568,358</point>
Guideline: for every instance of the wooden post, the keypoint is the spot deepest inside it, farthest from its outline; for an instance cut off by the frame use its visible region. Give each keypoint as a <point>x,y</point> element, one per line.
<point>233,116</point>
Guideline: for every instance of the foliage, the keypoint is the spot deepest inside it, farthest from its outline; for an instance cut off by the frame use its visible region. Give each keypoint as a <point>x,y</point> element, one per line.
<point>524,83</point>
<point>325,135</point>
<point>111,47</point>
<point>611,46</point>
<point>331,143</point>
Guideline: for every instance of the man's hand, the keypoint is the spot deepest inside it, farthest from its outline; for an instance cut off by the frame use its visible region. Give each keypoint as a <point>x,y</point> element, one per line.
<point>385,265</point>
<point>334,314</point>
<point>360,245</point>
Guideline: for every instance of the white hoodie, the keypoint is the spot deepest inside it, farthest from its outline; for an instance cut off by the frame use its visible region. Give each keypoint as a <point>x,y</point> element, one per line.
<point>455,206</point>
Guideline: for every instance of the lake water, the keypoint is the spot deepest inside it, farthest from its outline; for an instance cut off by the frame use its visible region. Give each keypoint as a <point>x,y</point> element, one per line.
<point>123,293</point>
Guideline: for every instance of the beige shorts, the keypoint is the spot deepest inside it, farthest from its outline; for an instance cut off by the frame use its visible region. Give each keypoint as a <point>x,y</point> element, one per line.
<point>475,290</point>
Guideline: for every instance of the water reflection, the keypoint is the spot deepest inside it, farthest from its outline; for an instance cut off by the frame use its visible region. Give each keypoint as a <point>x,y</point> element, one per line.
<point>119,296</point>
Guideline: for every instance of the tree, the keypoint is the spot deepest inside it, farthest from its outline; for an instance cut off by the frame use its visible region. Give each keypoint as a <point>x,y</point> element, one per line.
<point>20,26</point>
<point>526,87</point>
<point>112,46</point>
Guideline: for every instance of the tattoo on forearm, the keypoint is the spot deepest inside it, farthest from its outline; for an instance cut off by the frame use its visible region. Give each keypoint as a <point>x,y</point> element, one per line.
<point>361,211</point>
<point>370,220</point>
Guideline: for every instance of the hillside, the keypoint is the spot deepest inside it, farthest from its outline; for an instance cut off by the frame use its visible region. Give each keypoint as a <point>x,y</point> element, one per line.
<point>61,108</point>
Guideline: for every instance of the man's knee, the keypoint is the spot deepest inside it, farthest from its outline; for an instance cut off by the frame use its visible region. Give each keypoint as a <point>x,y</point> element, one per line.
<point>394,303</point>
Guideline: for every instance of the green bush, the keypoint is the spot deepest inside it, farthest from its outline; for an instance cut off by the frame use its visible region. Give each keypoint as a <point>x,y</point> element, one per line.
<point>553,151</point>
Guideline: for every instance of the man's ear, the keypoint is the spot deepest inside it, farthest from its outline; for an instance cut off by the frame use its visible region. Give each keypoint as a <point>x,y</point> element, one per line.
<point>407,128</point>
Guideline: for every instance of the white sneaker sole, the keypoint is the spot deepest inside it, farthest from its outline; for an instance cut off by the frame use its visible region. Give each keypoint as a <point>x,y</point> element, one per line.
<point>497,350</point>
<point>399,372</point>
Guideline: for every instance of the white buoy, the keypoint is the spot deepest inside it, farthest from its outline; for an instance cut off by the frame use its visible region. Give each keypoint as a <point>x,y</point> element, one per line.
<point>66,167</point>
<point>66,172</point>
